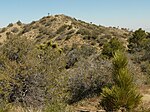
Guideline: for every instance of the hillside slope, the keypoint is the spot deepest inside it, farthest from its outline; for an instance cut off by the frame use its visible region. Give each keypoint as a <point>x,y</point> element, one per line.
<point>59,57</point>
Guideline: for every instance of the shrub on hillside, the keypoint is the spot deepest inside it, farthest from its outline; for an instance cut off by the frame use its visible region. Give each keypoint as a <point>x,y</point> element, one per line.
<point>101,40</point>
<point>111,47</point>
<point>26,29</point>
<point>146,49</point>
<point>83,31</point>
<point>87,78</point>
<point>135,41</point>
<point>3,30</point>
<point>19,23</point>
<point>15,30</point>
<point>76,53</point>
<point>16,48</point>
<point>43,21</point>
<point>10,25</point>
<point>62,28</point>
<point>29,75</point>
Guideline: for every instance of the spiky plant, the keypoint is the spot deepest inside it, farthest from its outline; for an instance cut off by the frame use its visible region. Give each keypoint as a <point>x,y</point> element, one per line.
<point>123,95</point>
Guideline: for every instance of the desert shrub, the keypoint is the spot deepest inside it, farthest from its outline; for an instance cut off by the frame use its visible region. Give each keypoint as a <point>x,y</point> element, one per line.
<point>15,30</point>
<point>9,35</point>
<point>146,49</point>
<point>10,25</point>
<point>39,35</point>
<point>90,36</point>
<point>26,29</point>
<point>136,39</point>
<point>87,78</point>
<point>5,107</point>
<point>3,30</point>
<point>70,32</point>
<point>61,29</point>
<point>68,37</point>
<point>123,95</point>
<point>138,36</point>
<point>19,23</point>
<point>87,50</point>
<point>43,21</point>
<point>43,30</point>
<point>13,57</point>
<point>52,63</point>
<point>47,44</point>
<point>94,35</point>
<point>86,37</point>
<point>30,74</point>
<point>33,22</point>
<point>14,48</point>
<point>48,23</point>
<point>93,43</point>
<point>101,40</point>
<point>35,26</point>
<point>76,53</point>
<point>145,68</point>
<point>114,33</point>
<point>83,31</point>
<point>61,37</point>
<point>111,47</point>
<point>148,35</point>
<point>72,58</point>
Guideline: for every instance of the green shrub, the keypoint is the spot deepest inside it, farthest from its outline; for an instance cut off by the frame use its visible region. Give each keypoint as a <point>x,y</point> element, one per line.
<point>10,25</point>
<point>30,75</point>
<point>4,107</point>
<point>138,36</point>
<point>111,47</point>
<point>146,49</point>
<point>83,31</point>
<point>123,95</point>
<point>55,107</point>
<point>135,41</point>
<point>26,29</point>
<point>3,30</point>
<point>62,28</point>
<point>44,31</point>
<point>19,23</point>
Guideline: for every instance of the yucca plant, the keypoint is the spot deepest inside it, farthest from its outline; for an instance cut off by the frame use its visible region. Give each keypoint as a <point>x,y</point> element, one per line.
<point>123,95</point>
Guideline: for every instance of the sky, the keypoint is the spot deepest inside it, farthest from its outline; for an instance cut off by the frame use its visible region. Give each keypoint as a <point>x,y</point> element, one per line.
<point>132,14</point>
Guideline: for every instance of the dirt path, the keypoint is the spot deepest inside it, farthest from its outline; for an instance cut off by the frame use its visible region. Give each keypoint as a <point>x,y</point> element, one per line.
<point>146,97</point>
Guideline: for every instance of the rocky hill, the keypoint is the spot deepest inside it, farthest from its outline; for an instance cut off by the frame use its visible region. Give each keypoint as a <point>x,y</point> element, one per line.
<point>59,57</point>
<point>64,30</point>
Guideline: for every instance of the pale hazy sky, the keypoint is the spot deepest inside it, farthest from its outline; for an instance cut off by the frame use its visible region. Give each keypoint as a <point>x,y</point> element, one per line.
<point>124,13</point>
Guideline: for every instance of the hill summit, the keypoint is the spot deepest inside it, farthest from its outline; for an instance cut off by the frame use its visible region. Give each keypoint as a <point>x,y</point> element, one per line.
<point>64,30</point>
